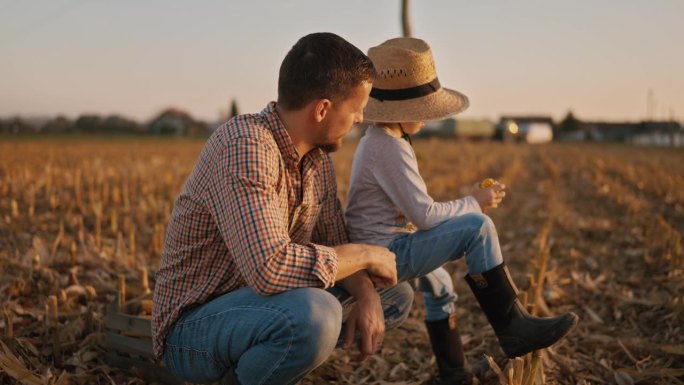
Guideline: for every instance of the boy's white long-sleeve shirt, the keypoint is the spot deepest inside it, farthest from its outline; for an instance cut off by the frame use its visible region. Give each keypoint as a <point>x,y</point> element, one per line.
<point>387,195</point>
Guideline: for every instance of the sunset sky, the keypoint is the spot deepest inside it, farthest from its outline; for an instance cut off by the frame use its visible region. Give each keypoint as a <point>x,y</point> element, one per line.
<point>135,58</point>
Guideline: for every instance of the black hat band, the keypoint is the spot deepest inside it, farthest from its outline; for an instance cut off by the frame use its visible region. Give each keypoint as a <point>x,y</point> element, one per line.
<point>406,93</point>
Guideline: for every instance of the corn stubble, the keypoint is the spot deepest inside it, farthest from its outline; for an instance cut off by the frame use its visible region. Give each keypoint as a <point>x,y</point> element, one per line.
<point>588,228</point>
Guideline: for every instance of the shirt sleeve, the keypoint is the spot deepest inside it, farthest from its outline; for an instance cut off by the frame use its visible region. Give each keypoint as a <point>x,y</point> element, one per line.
<point>250,217</point>
<point>330,229</point>
<point>397,173</point>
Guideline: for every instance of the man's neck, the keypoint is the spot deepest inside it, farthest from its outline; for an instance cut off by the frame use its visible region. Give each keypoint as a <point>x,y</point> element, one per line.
<point>295,123</point>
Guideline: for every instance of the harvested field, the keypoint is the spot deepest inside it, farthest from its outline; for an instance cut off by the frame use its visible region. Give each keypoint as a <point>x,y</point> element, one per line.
<point>599,226</point>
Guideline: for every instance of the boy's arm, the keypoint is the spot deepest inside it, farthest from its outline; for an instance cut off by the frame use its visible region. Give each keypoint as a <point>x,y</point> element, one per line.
<point>396,171</point>
<point>330,231</point>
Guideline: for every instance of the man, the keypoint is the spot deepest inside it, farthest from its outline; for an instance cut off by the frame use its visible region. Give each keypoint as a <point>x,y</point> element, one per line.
<point>257,234</point>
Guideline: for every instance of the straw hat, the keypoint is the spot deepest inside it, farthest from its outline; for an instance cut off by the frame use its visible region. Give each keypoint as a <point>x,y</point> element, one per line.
<point>406,88</point>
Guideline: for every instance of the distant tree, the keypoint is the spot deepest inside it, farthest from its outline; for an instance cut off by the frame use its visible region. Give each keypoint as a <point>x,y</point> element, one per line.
<point>570,123</point>
<point>405,18</point>
<point>233,109</point>
<point>119,125</point>
<point>58,125</point>
<point>88,124</point>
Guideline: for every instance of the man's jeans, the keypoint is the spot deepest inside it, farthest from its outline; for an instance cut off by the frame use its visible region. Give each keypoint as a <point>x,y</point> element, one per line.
<point>421,255</point>
<point>274,339</point>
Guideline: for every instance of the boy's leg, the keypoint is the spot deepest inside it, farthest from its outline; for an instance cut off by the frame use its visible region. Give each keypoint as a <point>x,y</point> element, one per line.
<point>438,294</point>
<point>274,339</point>
<point>440,321</point>
<point>474,236</point>
<point>424,251</point>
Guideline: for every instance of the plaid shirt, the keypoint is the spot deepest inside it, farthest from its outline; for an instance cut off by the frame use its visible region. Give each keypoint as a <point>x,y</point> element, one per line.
<point>252,213</point>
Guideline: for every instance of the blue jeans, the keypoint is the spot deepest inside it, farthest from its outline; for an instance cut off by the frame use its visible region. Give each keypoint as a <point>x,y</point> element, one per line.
<point>421,255</point>
<point>274,339</point>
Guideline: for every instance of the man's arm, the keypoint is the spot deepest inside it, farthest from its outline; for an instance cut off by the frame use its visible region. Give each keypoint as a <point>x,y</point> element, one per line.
<point>244,203</point>
<point>379,263</point>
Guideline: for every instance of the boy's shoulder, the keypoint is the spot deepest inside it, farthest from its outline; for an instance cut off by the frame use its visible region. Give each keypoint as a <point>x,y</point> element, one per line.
<point>377,135</point>
<point>376,139</point>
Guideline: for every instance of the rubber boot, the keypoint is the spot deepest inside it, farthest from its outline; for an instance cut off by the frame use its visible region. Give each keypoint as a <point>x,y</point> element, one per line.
<point>518,332</point>
<point>446,344</point>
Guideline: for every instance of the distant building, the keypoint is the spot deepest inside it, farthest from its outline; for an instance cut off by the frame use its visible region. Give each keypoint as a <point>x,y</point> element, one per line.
<point>527,129</point>
<point>653,133</point>
<point>176,122</point>
<point>658,134</point>
<point>470,129</point>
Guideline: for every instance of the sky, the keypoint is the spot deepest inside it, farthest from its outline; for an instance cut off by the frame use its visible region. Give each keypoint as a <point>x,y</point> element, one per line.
<point>600,59</point>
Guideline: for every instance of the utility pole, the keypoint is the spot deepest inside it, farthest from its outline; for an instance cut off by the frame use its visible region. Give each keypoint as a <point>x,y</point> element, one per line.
<point>405,19</point>
<point>649,105</point>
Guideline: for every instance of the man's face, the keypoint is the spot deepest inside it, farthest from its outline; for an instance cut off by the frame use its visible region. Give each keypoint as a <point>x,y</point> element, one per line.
<point>342,115</point>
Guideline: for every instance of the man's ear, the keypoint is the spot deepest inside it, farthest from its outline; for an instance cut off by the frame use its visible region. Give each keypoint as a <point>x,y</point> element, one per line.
<point>321,108</point>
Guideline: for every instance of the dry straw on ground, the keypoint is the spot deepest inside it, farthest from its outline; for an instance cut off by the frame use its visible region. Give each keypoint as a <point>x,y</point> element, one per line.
<point>588,228</point>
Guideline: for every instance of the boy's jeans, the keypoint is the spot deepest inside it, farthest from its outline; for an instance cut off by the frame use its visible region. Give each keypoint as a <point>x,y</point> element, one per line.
<point>274,339</point>
<point>421,255</point>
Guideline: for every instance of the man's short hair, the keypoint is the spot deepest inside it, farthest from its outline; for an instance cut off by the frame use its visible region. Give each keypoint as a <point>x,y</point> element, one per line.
<point>321,66</point>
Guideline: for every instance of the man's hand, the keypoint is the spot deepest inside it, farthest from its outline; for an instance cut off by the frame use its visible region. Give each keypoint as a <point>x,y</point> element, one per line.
<point>366,316</point>
<point>382,267</point>
<point>378,261</point>
<point>489,197</point>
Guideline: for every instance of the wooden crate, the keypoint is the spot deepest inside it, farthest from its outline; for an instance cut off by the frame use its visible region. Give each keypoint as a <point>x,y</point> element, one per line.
<point>128,341</point>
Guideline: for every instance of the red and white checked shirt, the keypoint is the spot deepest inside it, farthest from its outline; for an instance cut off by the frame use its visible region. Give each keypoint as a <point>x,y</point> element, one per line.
<point>247,216</point>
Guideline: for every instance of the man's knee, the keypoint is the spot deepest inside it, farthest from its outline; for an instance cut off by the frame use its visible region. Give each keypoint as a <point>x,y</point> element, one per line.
<point>317,321</point>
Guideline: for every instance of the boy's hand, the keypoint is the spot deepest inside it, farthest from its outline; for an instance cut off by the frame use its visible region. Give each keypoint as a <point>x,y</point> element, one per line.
<point>489,197</point>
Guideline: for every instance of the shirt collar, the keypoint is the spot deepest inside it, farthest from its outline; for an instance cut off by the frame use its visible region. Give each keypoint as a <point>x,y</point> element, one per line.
<point>282,137</point>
